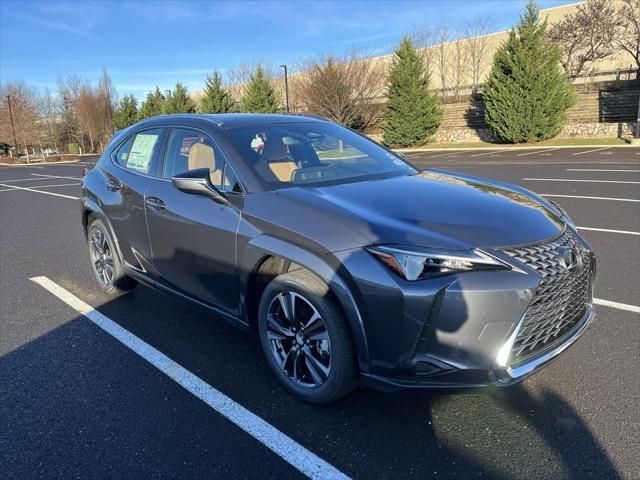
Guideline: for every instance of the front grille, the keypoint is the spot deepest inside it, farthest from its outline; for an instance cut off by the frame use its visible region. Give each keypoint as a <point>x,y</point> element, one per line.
<point>560,301</point>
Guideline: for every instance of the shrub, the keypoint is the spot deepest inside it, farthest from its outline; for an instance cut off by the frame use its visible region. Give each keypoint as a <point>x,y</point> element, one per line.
<point>259,95</point>
<point>153,104</point>
<point>342,88</point>
<point>126,113</point>
<point>527,92</point>
<point>179,101</point>
<point>216,99</point>
<point>413,114</point>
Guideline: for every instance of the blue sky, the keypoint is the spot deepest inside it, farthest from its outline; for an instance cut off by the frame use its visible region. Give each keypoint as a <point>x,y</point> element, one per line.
<point>144,43</point>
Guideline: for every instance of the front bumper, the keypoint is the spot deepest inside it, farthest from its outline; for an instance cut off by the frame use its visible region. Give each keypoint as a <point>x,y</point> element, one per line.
<point>498,376</point>
<point>452,331</point>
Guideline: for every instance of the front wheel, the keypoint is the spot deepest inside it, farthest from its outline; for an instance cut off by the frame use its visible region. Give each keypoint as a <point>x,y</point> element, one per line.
<point>306,339</point>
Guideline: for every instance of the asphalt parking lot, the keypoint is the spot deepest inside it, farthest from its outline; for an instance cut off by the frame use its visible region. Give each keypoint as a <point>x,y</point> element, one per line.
<point>149,387</point>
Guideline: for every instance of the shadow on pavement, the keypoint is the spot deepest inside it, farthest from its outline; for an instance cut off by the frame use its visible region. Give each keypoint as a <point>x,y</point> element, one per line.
<point>74,392</point>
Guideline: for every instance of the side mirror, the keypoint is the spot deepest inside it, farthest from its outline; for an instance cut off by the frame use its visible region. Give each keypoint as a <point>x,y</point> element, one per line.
<point>198,182</point>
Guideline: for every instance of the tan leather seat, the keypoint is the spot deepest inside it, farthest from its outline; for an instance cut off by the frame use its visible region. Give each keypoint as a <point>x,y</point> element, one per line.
<point>203,156</point>
<point>274,154</point>
<point>283,170</point>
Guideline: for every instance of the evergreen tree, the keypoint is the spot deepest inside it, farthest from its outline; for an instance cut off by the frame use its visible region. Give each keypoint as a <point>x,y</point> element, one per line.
<point>527,92</point>
<point>413,114</point>
<point>126,113</point>
<point>216,98</point>
<point>179,101</point>
<point>153,105</point>
<point>259,95</point>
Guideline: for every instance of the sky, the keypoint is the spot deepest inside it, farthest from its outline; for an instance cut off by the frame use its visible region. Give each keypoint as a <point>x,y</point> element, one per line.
<point>147,43</point>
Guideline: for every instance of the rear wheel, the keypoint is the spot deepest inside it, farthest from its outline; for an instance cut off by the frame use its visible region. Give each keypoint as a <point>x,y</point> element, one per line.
<point>306,339</point>
<point>106,266</point>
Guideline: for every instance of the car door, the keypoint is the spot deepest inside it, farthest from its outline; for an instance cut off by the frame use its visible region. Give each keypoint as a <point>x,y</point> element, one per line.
<point>127,178</point>
<point>193,238</point>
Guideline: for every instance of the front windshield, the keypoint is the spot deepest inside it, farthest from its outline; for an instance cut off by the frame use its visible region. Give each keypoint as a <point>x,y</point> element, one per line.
<point>313,153</point>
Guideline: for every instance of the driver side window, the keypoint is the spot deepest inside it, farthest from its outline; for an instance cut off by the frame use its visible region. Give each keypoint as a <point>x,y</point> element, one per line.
<point>190,149</point>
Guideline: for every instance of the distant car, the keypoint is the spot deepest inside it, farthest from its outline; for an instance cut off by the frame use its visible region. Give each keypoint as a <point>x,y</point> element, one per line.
<point>353,266</point>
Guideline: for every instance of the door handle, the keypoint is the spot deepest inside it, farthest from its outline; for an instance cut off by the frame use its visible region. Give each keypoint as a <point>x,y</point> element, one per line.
<point>155,203</point>
<point>114,185</point>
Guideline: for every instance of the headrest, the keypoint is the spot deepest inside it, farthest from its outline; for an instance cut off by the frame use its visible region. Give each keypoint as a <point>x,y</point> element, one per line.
<point>201,156</point>
<point>274,150</point>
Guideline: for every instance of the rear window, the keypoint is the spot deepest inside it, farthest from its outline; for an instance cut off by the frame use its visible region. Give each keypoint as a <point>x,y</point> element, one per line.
<point>137,152</point>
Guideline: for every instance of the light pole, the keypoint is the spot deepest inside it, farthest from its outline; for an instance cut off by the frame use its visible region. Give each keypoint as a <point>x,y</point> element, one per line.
<point>636,139</point>
<point>286,86</point>
<point>13,130</point>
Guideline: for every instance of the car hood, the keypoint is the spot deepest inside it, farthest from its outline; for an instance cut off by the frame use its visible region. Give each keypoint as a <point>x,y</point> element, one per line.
<point>434,209</point>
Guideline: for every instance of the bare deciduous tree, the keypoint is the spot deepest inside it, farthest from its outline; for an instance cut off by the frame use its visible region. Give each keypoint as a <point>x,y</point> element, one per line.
<point>459,64</point>
<point>50,109</point>
<point>106,99</point>
<point>423,38</point>
<point>342,89</point>
<point>477,30</point>
<point>89,116</point>
<point>442,37</point>
<point>628,33</point>
<point>87,112</point>
<point>69,91</point>
<point>24,110</point>
<point>586,35</point>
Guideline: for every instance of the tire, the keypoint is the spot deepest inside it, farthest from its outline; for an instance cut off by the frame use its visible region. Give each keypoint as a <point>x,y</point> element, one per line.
<point>324,366</point>
<point>111,277</point>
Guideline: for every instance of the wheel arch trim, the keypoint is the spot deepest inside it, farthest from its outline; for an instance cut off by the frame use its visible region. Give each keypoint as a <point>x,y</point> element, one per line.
<point>89,207</point>
<point>264,246</point>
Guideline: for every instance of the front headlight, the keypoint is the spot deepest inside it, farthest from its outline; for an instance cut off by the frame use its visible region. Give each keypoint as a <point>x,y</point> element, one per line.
<point>414,264</point>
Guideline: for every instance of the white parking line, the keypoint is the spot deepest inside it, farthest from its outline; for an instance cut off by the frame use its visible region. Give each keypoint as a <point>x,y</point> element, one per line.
<point>491,152</point>
<point>597,170</point>
<point>621,306</point>
<point>54,176</point>
<point>577,180</point>
<point>288,449</point>
<point>14,187</point>
<point>18,180</point>
<point>591,198</point>
<point>444,155</point>
<point>607,230</point>
<point>589,151</point>
<point>537,151</point>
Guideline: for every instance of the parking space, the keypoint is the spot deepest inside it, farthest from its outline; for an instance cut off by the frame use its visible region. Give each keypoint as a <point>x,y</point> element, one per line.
<point>159,389</point>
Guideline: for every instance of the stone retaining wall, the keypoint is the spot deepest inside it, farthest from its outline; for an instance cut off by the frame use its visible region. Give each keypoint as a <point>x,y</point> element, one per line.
<point>572,130</point>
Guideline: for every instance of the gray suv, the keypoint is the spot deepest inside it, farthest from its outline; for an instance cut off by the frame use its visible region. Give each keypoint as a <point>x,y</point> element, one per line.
<point>352,265</point>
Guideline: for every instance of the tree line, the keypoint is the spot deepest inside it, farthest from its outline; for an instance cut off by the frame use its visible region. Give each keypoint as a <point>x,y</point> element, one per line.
<point>526,92</point>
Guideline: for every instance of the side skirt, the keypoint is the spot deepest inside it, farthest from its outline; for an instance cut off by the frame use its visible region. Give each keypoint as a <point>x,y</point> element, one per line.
<point>187,299</point>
